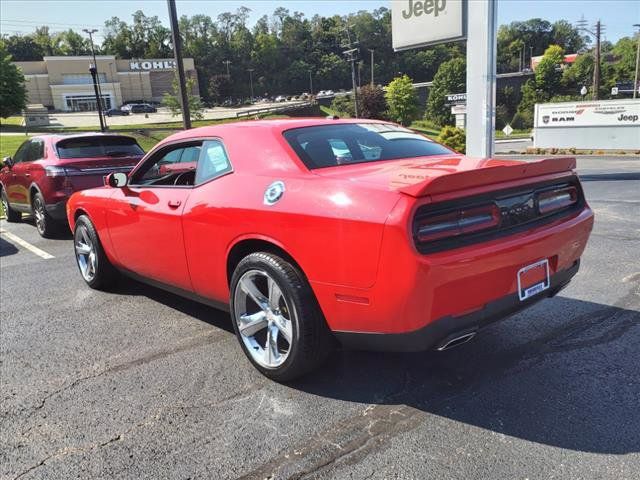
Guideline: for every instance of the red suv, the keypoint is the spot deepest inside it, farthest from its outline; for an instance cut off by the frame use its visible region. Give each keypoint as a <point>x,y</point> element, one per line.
<point>47,169</point>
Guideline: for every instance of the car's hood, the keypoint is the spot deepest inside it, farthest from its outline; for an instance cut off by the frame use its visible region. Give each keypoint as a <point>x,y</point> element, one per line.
<point>430,175</point>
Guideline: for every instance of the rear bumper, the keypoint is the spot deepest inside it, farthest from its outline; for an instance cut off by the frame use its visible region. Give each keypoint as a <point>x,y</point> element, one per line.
<point>440,331</point>
<point>58,210</point>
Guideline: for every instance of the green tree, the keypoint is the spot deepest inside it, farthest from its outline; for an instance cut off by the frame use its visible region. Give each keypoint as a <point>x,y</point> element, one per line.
<point>549,71</point>
<point>13,94</point>
<point>23,48</point>
<point>172,100</point>
<point>451,78</point>
<point>402,100</point>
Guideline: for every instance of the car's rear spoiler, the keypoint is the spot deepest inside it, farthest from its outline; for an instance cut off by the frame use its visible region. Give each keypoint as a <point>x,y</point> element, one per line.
<point>486,175</point>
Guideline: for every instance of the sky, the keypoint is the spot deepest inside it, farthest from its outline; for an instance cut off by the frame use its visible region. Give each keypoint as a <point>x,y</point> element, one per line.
<point>21,16</point>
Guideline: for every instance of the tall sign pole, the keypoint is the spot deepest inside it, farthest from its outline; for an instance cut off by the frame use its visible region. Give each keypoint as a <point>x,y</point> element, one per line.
<point>177,53</point>
<point>481,77</point>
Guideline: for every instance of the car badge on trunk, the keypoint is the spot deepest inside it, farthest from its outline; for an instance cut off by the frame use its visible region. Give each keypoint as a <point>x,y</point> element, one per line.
<point>273,193</point>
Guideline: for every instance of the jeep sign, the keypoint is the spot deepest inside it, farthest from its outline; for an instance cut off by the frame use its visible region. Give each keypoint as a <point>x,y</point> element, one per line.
<point>418,23</point>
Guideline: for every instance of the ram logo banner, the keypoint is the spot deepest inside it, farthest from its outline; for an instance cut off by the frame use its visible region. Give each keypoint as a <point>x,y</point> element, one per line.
<point>601,113</point>
<point>418,23</point>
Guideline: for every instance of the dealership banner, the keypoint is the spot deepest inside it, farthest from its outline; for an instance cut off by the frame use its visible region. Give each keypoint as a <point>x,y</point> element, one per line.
<point>605,113</point>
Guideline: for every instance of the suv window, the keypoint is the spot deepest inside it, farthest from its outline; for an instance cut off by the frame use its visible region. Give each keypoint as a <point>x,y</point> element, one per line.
<point>36,150</point>
<point>332,145</point>
<point>22,153</point>
<point>93,147</point>
<point>213,162</point>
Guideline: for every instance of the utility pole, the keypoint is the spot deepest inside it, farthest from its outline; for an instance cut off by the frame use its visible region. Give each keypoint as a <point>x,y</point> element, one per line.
<point>227,62</point>
<point>596,67</point>
<point>177,53</point>
<point>310,84</point>
<point>96,80</point>
<point>351,53</point>
<point>636,86</point>
<point>582,25</point>
<point>531,57</point>
<point>250,70</point>
<point>371,50</point>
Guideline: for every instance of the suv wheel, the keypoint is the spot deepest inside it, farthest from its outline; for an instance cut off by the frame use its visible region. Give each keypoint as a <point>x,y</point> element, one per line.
<point>11,214</point>
<point>276,317</point>
<point>47,227</point>
<point>95,267</point>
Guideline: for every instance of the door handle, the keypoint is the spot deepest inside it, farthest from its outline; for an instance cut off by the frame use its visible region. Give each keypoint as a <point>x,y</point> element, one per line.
<point>174,203</point>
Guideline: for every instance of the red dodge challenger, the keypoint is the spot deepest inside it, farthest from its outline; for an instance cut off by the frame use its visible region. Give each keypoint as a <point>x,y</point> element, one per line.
<point>318,231</point>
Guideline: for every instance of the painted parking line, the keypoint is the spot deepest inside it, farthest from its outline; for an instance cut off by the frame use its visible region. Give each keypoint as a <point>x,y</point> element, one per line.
<point>23,243</point>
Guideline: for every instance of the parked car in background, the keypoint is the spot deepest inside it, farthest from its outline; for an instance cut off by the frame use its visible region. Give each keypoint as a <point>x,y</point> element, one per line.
<point>280,98</point>
<point>140,108</point>
<point>115,112</point>
<point>317,230</point>
<point>47,169</point>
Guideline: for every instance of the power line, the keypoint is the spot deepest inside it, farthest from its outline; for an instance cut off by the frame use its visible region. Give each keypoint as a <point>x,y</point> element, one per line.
<point>47,22</point>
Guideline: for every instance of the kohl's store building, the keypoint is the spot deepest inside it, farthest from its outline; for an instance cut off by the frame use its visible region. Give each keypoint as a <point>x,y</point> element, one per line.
<point>65,84</point>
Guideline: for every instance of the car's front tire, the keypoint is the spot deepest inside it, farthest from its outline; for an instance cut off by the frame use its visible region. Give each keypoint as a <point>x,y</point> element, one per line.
<point>47,226</point>
<point>11,214</point>
<point>276,317</point>
<point>95,267</point>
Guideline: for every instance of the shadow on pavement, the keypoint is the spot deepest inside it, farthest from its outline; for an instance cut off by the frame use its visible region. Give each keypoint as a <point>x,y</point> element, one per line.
<point>572,382</point>
<point>7,248</point>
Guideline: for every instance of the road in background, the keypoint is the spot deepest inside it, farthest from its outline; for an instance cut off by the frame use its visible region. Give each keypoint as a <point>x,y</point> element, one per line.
<point>138,383</point>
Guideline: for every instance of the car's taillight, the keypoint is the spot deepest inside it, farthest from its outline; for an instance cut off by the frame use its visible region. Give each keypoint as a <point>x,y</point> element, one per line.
<point>54,171</point>
<point>458,222</point>
<point>552,200</point>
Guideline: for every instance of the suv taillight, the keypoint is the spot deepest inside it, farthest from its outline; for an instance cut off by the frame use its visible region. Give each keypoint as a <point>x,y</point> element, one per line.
<point>458,222</point>
<point>557,199</point>
<point>54,171</point>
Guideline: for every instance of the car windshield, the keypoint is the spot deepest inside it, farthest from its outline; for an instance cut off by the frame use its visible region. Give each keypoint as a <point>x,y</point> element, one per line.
<point>88,147</point>
<point>331,145</point>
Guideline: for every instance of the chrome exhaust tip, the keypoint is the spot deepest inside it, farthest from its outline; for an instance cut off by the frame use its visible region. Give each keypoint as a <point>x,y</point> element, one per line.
<point>451,342</point>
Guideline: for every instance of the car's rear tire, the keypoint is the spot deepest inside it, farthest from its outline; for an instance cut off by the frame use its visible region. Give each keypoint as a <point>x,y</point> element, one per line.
<point>276,317</point>
<point>95,267</point>
<point>10,213</point>
<point>47,226</point>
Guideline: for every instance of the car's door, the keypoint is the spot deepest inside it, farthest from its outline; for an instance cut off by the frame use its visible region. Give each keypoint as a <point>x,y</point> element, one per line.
<point>20,176</point>
<point>145,221</point>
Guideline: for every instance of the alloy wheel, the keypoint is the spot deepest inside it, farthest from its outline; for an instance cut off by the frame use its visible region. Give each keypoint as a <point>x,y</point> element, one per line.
<point>39,214</point>
<point>264,318</point>
<point>85,253</point>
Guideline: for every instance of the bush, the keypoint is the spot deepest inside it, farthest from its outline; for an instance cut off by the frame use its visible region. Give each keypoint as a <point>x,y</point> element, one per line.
<point>454,138</point>
<point>522,121</point>
<point>343,105</point>
<point>371,102</point>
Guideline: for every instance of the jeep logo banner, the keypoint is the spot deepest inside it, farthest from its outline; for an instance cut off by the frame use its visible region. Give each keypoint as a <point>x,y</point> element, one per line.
<point>418,23</point>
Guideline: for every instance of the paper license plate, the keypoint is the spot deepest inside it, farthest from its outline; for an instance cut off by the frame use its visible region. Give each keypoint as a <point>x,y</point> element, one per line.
<point>533,279</point>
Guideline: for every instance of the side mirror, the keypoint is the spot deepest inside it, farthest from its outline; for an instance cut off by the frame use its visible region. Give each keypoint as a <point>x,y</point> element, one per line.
<point>7,162</point>
<point>116,180</point>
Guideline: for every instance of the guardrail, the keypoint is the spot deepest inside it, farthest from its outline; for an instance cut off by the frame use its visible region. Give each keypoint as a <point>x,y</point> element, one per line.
<point>273,109</point>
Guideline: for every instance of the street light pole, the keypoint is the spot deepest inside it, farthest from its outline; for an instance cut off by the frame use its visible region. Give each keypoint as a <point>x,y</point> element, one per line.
<point>636,87</point>
<point>250,70</point>
<point>310,84</point>
<point>96,80</point>
<point>177,53</point>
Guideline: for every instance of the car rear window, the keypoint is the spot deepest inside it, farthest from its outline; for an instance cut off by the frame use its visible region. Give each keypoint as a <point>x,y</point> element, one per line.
<point>98,147</point>
<point>342,144</point>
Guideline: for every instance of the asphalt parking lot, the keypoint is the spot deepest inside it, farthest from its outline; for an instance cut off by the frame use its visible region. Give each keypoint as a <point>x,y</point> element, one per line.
<point>139,383</point>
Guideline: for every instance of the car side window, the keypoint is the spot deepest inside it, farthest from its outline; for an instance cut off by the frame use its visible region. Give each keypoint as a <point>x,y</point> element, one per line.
<point>22,153</point>
<point>173,166</point>
<point>36,151</point>
<point>213,162</point>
